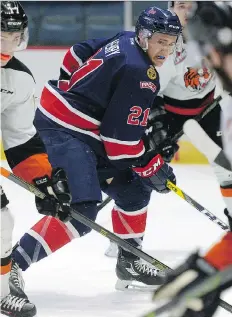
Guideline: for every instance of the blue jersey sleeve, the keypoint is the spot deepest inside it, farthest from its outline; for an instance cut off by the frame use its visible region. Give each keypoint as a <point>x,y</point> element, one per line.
<point>80,53</point>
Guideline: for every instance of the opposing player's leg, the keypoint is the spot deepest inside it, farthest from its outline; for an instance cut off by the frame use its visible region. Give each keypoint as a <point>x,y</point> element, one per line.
<point>49,234</point>
<point>211,125</point>
<point>129,217</point>
<point>12,304</point>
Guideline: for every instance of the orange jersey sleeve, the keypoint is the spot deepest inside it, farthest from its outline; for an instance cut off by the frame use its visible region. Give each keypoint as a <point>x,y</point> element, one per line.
<point>220,255</point>
<point>29,160</point>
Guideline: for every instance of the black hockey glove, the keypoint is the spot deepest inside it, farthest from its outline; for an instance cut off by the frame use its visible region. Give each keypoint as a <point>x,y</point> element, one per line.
<point>58,200</point>
<point>158,130</point>
<point>194,270</point>
<point>156,173</point>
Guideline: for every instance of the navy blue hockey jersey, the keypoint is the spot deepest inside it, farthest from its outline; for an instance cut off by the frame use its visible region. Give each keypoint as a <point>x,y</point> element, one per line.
<point>106,102</point>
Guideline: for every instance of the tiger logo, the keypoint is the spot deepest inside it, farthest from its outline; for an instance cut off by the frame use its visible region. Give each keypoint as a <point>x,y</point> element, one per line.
<point>196,79</point>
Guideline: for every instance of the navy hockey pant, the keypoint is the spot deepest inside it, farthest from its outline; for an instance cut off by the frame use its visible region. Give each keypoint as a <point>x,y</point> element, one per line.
<point>80,163</point>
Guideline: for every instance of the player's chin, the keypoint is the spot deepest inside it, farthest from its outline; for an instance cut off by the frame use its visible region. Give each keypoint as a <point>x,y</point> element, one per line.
<point>5,58</point>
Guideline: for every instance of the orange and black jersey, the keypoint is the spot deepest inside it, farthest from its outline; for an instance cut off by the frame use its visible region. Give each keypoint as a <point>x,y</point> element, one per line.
<point>24,150</point>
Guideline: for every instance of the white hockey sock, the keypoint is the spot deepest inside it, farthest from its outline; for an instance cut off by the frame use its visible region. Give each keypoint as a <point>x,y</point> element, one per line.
<point>7,224</point>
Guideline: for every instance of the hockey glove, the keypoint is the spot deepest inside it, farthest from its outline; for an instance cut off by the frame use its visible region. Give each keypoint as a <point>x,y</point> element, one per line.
<point>193,271</point>
<point>58,197</point>
<point>158,130</point>
<point>156,173</point>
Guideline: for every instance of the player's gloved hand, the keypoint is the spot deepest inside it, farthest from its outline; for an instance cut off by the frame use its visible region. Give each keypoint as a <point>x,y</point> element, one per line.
<point>188,275</point>
<point>58,200</point>
<point>158,130</point>
<point>156,173</point>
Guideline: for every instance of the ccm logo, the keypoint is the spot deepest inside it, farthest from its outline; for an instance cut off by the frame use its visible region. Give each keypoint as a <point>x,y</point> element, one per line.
<point>155,164</point>
<point>148,85</point>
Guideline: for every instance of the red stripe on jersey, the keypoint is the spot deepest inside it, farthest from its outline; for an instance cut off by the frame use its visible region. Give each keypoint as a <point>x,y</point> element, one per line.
<point>90,66</point>
<point>132,223</point>
<point>201,104</point>
<point>70,63</point>
<point>60,111</point>
<point>116,149</point>
<point>56,235</point>
<point>184,111</point>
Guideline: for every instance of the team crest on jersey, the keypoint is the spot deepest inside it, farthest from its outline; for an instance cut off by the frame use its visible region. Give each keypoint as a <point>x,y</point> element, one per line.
<point>148,85</point>
<point>151,73</point>
<point>196,79</point>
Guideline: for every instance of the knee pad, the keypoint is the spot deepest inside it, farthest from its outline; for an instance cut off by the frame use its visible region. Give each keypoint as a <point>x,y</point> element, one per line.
<point>87,209</point>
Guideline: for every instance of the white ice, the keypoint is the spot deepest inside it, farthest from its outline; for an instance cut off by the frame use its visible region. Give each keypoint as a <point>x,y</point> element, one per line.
<point>78,280</point>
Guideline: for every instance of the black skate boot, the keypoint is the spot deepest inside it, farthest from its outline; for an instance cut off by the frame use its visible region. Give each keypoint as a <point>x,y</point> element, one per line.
<point>16,281</point>
<point>131,268</point>
<point>15,306</point>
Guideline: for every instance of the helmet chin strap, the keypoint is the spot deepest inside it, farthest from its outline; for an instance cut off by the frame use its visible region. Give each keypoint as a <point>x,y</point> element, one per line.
<point>145,40</point>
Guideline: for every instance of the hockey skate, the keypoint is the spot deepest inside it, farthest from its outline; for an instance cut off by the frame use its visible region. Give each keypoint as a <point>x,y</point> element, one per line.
<point>16,306</point>
<point>16,281</point>
<point>135,274</point>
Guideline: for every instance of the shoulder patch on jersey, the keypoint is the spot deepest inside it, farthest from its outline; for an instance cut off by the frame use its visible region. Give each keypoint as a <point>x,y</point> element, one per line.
<point>151,73</point>
<point>112,48</point>
<point>148,85</point>
<point>16,64</point>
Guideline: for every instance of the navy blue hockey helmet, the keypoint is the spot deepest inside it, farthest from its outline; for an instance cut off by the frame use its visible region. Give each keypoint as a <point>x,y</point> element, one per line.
<point>156,20</point>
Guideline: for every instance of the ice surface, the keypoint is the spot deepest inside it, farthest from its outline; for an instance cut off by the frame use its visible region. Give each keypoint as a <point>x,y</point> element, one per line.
<point>78,280</point>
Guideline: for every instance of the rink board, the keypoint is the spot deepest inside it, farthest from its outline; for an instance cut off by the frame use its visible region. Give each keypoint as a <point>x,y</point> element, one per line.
<point>187,154</point>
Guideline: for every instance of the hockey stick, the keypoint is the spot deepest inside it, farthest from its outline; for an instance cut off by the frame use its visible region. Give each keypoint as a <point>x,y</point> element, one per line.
<point>104,203</point>
<point>199,117</point>
<point>89,223</point>
<point>205,287</point>
<point>196,205</point>
<point>103,231</point>
<point>205,144</point>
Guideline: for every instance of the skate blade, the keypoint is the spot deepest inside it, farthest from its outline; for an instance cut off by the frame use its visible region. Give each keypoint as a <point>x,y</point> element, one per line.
<point>123,285</point>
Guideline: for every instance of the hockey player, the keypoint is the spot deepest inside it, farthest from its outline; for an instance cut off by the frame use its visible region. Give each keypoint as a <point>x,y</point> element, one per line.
<point>210,26</point>
<point>186,89</point>
<point>24,150</point>
<point>94,127</point>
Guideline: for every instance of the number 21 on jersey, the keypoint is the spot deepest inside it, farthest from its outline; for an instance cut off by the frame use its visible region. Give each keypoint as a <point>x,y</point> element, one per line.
<point>138,116</point>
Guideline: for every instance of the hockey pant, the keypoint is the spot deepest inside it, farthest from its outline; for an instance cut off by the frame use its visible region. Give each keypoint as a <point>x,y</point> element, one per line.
<point>7,225</point>
<point>80,163</point>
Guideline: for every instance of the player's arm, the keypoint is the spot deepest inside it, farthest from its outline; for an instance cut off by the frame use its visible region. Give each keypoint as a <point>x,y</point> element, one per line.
<point>192,272</point>
<point>27,157</point>
<point>24,150</point>
<point>79,54</point>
